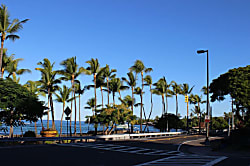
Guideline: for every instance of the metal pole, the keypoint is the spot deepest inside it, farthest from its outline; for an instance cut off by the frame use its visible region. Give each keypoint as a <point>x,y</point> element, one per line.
<point>207,134</point>
<point>67,128</point>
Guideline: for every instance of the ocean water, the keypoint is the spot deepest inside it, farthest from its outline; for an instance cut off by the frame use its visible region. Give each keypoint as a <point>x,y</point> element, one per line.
<point>84,126</point>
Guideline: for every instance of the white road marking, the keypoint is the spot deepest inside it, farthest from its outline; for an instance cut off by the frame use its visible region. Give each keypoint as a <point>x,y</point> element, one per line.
<point>186,159</point>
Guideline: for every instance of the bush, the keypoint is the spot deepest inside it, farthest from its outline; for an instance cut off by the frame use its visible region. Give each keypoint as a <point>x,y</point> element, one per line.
<point>29,134</point>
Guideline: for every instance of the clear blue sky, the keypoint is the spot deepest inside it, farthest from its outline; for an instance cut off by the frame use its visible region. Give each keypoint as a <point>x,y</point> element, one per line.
<point>163,34</point>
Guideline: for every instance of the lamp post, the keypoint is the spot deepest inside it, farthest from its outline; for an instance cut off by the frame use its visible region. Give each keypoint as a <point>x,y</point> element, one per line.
<point>207,126</point>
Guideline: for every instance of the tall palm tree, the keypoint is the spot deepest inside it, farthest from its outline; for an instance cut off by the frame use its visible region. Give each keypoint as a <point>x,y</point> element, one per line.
<point>48,84</point>
<point>108,74</point>
<point>93,69</point>
<point>160,89</point>
<point>186,91</point>
<point>176,90</point>
<point>138,91</point>
<point>149,82</point>
<point>196,99</point>
<point>139,67</point>
<point>6,60</point>
<point>131,82</point>
<point>63,97</point>
<point>34,87</point>
<point>8,28</point>
<point>70,72</point>
<point>79,91</point>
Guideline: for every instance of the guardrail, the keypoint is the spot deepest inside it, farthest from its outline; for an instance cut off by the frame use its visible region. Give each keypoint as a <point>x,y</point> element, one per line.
<point>98,137</point>
<point>133,136</point>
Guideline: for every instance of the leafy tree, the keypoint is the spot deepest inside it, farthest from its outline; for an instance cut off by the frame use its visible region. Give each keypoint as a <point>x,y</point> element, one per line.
<point>173,121</point>
<point>17,102</point>
<point>8,28</point>
<point>34,87</point>
<point>235,83</point>
<point>219,123</point>
<point>161,89</point>
<point>138,91</point>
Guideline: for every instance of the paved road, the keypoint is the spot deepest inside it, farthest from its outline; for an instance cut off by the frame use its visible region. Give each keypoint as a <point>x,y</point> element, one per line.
<point>160,151</point>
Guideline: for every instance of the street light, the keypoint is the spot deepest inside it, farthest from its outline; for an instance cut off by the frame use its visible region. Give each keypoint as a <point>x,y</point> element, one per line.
<point>207,130</point>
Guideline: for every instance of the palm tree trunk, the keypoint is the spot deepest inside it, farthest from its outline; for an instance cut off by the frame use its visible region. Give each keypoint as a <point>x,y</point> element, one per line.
<point>75,111</point>
<point>141,100</point>
<point>41,122</point>
<point>48,108</point>
<point>62,120</point>
<point>108,89</point>
<point>176,109</point>
<point>113,99</point>
<point>163,104</point>
<point>80,125</point>
<point>35,129</point>
<point>150,109</point>
<point>95,89</point>
<point>176,104</point>
<point>166,103</point>
<point>95,103</point>
<point>141,116</point>
<point>52,112</point>
<point>71,107</point>
<point>1,55</point>
<point>102,96</point>
<point>132,106</point>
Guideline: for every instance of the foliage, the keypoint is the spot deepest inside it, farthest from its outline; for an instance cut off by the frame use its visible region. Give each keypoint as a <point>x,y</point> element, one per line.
<point>17,102</point>
<point>29,134</point>
<point>219,123</point>
<point>171,120</point>
<point>235,83</point>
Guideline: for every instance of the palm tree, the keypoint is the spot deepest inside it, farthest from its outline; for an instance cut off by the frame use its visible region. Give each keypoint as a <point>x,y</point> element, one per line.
<point>204,90</point>
<point>149,82</point>
<point>108,74</point>
<point>131,82</point>
<point>186,91</point>
<point>71,72</point>
<point>160,89</point>
<point>34,87</point>
<point>63,97</point>
<point>176,90</point>
<point>48,84</point>
<point>79,91</point>
<point>93,69</point>
<point>13,70</point>
<point>6,61</point>
<point>196,99</point>
<point>139,67</point>
<point>138,91</point>
<point>116,86</point>
<point>8,28</point>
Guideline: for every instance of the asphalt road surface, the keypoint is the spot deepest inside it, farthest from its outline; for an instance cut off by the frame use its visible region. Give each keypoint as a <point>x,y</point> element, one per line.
<point>160,151</point>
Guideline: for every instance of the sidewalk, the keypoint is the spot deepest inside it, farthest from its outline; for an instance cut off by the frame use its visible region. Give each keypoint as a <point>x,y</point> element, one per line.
<point>234,157</point>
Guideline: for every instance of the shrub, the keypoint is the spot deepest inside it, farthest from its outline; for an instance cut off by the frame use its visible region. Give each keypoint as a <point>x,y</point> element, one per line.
<point>29,134</point>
